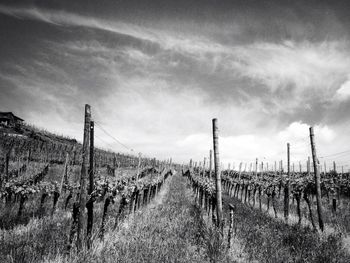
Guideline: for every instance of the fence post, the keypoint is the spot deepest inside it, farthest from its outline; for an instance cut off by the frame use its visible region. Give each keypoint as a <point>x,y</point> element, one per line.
<point>317,180</point>
<point>282,170</point>
<point>240,171</point>
<point>217,173</point>
<point>138,167</point>
<point>114,166</point>
<point>90,204</point>
<point>83,176</point>
<point>231,225</point>
<point>286,187</point>
<point>64,179</point>
<point>210,162</point>
<point>334,194</point>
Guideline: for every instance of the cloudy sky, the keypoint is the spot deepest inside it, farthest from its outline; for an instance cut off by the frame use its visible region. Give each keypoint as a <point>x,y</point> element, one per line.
<point>156,72</point>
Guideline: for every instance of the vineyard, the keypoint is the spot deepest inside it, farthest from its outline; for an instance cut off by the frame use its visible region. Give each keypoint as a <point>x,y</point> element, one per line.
<point>280,200</point>
<point>62,201</point>
<point>41,181</point>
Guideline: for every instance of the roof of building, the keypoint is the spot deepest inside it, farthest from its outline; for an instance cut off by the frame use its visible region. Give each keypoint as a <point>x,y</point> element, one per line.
<point>3,114</point>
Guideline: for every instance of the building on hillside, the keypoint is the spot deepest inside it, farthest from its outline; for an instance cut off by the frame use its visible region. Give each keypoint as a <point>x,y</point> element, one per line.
<point>9,119</point>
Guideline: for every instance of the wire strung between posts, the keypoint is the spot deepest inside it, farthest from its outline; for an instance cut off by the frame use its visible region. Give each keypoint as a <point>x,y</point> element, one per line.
<point>111,136</point>
<point>335,158</point>
<point>340,164</point>
<point>335,154</point>
<point>102,140</point>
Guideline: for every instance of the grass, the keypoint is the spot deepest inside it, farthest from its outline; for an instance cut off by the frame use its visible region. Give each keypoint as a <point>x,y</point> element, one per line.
<point>36,234</point>
<point>165,231</point>
<point>336,223</point>
<point>40,237</point>
<point>339,220</point>
<point>29,243</point>
<point>8,212</point>
<point>269,240</point>
<point>168,230</point>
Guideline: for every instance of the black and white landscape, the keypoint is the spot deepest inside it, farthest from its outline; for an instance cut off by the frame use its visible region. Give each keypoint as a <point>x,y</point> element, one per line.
<point>174,131</point>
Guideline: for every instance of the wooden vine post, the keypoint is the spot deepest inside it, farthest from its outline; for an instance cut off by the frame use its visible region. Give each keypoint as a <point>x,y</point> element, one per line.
<point>90,204</point>
<point>317,179</point>
<point>83,176</point>
<point>217,173</point>
<point>138,167</point>
<point>240,171</point>
<point>28,159</point>
<point>114,166</point>
<point>334,192</point>
<point>210,162</point>
<point>64,179</point>
<point>286,188</point>
<point>282,170</point>
<point>8,152</point>
<point>230,231</point>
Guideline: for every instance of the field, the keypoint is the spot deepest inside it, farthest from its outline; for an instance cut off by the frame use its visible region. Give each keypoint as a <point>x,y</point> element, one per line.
<point>175,131</point>
<point>259,223</point>
<point>144,210</point>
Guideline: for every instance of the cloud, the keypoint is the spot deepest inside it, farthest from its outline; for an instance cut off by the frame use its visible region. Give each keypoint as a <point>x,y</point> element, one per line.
<point>267,148</point>
<point>343,93</point>
<point>298,131</point>
<point>303,64</point>
<point>309,71</point>
<point>157,89</point>
<point>176,42</point>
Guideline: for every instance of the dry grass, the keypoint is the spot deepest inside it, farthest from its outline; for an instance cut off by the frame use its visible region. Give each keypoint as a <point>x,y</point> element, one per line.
<point>269,240</point>
<point>172,229</point>
<point>336,223</point>
<point>165,231</point>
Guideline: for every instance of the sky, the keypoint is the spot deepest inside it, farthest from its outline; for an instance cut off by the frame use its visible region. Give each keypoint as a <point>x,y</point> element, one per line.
<point>157,72</point>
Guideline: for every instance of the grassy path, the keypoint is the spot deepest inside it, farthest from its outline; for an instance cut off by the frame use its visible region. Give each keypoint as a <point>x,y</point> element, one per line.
<point>166,231</point>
